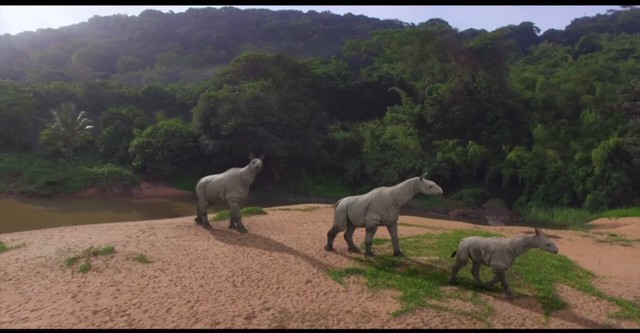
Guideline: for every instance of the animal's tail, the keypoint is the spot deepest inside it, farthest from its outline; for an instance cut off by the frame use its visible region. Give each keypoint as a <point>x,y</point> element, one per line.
<point>454,253</point>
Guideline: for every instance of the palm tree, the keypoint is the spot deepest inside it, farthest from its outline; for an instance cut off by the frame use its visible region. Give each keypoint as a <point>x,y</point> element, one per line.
<point>68,129</point>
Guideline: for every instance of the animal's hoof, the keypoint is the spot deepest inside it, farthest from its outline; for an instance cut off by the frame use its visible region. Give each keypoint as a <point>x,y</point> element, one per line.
<point>243,230</point>
<point>206,225</point>
<point>398,254</point>
<point>328,248</point>
<point>354,250</point>
<point>509,297</point>
<point>232,226</point>
<point>369,254</point>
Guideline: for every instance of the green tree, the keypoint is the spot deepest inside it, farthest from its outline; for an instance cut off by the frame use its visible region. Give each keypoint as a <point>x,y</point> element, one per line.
<point>68,130</point>
<point>164,149</point>
<point>118,125</point>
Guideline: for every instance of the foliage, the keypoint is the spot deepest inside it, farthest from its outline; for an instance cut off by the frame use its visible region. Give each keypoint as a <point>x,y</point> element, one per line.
<point>265,104</point>
<point>118,125</point>
<point>67,131</point>
<point>164,149</point>
<point>30,174</point>
<point>547,120</point>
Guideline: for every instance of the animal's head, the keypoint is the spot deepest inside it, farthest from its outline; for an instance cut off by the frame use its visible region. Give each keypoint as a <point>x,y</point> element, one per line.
<point>256,162</point>
<point>428,187</point>
<point>544,243</point>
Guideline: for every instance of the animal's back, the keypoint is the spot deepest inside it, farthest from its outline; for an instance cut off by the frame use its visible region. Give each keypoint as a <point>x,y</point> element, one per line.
<point>491,251</point>
<point>221,186</point>
<point>363,207</point>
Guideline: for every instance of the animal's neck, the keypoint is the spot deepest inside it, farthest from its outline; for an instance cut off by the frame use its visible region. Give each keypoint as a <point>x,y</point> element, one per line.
<point>521,244</point>
<point>403,192</point>
<point>248,174</point>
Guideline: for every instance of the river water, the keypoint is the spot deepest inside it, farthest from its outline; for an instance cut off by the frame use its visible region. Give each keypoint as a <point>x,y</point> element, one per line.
<point>30,213</point>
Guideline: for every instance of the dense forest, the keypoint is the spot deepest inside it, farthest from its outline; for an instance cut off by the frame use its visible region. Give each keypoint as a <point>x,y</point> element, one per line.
<point>533,118</point>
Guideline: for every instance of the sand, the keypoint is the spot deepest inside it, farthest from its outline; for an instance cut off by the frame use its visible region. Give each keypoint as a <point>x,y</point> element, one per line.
<point>272,277</point>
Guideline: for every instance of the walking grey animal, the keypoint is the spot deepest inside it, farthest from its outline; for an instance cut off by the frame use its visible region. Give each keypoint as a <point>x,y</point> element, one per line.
<point>380,206</point>
<point>232,187</point>
<point>497,252</point>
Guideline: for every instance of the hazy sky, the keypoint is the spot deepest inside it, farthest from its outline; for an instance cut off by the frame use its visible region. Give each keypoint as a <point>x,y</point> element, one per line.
<point>16,19</point>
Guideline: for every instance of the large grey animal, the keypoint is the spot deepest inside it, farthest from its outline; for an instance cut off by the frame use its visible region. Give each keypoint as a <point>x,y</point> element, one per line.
<point>380,206</point>
<point>497,252</point>
<point>232,187</point>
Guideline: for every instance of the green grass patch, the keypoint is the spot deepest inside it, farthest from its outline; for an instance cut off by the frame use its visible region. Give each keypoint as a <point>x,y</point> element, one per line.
<point>621,212</point>
<point>85,266</point>
<point>559,218</point>
<point>324,187</point>
<point>422,276</point>
<point>87,254</point>
<point>141,258</point>
<point>571,218</point>
<point>5,248</point>
<point>246,211</point>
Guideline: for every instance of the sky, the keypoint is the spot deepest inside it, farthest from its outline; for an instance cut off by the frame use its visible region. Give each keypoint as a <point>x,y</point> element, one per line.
<point>16,19</point>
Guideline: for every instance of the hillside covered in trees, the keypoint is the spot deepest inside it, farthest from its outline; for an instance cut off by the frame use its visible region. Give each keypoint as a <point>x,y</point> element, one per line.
<point>534,118</point>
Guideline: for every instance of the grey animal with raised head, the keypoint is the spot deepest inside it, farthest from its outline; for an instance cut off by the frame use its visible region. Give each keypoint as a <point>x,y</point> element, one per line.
<point>380,206</point>
<point>499,253</point>
<point>232,187</point>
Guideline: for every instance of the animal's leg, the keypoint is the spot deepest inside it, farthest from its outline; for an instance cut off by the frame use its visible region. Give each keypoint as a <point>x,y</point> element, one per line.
<point>331,235</point>
<point>236,218</point>
<point>502,276</point>
<point>368,240</point>
<point>348,236</point>
<point>340,221</point>
<point>475,271</point>
<point>393,232</point>
<point>456,268</point>
<point>201,214</point>
<point>489,285</point>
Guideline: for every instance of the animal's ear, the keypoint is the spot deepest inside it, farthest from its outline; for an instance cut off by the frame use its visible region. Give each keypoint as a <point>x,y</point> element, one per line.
<point>261,157</point>
<point>537,231</point>
<point>425,174</point>
<point>250,156</point>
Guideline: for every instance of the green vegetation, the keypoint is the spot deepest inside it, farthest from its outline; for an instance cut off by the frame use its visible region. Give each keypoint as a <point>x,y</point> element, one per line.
<point>245,211</point>
<point>571,218</point>
<point>86,256</point>
<point>324,188</point>
<point>32,174</point>
<point>540,120</point>
<point>141,258</point>
<point>422,277</point>
<point>4,247</point>
<point>622,212</point>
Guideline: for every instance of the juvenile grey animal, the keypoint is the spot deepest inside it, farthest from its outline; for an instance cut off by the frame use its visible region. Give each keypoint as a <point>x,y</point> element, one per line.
<point>380,206</point>
<point>232,187</point>
<point>497,252</point>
